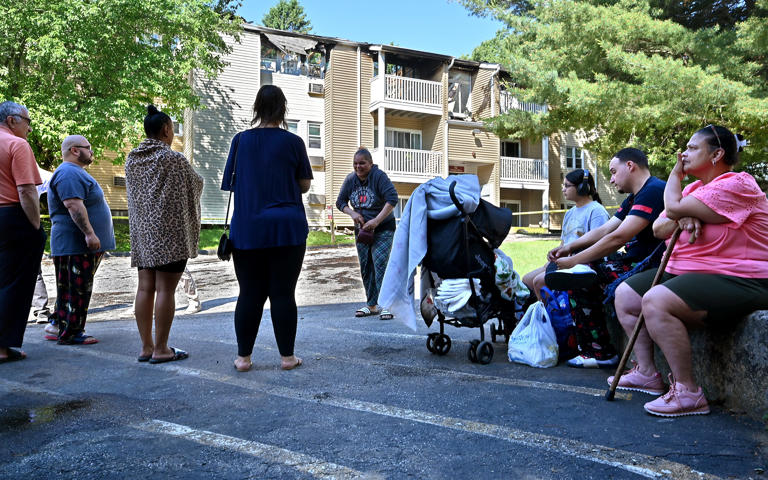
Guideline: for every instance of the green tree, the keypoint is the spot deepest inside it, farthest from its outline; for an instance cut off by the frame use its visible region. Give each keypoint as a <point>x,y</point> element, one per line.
<point>287,15</point>
<point>632,72</point>
<point>90,66</point>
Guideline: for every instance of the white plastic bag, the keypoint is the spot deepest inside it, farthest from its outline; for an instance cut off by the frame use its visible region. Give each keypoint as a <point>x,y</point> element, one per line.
<point>533,342</point>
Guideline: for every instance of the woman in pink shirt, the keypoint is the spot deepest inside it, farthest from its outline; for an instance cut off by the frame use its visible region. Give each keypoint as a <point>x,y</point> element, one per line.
<point>718,271</point>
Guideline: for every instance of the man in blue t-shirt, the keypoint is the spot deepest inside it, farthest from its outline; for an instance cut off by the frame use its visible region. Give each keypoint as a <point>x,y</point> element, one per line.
<point>631,228</point>
<point>81,231</point>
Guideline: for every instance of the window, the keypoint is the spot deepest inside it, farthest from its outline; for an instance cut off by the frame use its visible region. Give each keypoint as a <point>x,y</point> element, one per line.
<point>178,127</point>
<point>574,157</point>
<point>459,89</point>
<point>510,149</point>
<point>399,138</point>
<point>315,140</point>
<point>398,211</point>
<point>293,126</point>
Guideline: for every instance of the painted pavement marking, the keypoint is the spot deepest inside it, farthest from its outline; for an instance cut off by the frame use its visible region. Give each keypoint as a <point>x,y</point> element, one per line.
<point>299,461</point>
<point>637,463</point>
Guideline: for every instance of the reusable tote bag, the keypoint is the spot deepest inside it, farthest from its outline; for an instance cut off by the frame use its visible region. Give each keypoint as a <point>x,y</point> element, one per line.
<point>533,342</point>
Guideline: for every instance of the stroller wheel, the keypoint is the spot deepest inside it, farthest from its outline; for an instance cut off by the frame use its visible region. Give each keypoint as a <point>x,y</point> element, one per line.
<point>442,344</point>
<point>431,341</point>
<point>472,352</point>
<point>484,353</point>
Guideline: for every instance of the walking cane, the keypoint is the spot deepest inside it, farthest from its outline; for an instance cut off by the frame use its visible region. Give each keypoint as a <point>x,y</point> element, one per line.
<point>640,320</point>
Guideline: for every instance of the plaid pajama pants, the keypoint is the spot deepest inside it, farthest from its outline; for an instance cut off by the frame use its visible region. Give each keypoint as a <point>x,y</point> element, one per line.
<point>373,262</point>
<point>74,285</point>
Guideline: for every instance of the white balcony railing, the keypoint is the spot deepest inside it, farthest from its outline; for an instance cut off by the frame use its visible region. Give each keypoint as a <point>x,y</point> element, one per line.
<point>407,90</point>
<point>404,162</point>
<point>514,169</point>
<point>509,102</point>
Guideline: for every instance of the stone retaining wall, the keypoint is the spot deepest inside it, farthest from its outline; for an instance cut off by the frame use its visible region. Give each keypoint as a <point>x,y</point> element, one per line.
<point>730,363</point>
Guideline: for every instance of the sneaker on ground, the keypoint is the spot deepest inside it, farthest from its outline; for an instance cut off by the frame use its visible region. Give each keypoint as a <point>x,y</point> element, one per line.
<point>579,276</point>
<point>193,307</point>
<point>678,401</point>
<point>583,361</point>
<point>42,317</point>
<point>636,381</point>
<point>51,328</point>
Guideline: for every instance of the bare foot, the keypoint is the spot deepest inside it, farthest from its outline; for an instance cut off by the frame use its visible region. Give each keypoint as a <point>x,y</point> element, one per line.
<point>243,364</point>
<point>289,363</point>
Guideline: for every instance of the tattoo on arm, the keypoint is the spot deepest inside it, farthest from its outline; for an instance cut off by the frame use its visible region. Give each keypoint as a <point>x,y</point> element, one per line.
<point>80,217</point>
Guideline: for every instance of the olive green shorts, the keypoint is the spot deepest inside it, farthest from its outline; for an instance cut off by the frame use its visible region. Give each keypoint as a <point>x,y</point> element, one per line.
<point>722,296</point>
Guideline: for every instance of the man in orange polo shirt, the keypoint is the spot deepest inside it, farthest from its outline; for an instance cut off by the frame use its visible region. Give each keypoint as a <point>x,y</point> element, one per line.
<point>21,238</point>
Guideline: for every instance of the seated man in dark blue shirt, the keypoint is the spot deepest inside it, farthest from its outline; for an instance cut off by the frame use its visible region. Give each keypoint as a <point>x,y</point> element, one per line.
<point>631,228</point>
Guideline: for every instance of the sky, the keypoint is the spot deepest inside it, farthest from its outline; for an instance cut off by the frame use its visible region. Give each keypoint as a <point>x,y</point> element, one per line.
<point>437,26</point>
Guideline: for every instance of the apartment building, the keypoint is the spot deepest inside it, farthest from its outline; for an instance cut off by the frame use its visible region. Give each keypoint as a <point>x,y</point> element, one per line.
<point>421,114</point>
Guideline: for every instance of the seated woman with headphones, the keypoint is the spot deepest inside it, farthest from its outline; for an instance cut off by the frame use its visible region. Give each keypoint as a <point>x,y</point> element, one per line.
<point>588,214</point>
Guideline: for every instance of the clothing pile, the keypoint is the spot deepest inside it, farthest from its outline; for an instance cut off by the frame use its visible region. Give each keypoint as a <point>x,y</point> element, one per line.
<point>454,293</point>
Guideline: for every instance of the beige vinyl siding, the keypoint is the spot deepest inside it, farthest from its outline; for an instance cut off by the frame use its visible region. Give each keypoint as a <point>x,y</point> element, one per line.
<point>530,148</point>
<point>228,101</point>
<point>405,190</point>
<point>556,174</point>
<point>432,133</point>
<point>530,201</point>
<point>341,122</point>
<point>407,123</point>
<point>481,94</point>
<point>104,172</point>
<point>366,118</point>
<point>462,144</point>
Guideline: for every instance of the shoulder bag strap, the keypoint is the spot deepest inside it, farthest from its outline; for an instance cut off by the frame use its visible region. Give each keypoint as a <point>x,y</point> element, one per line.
<point>231,183</point>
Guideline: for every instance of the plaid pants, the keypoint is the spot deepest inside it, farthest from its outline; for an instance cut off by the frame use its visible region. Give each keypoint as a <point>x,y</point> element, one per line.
<point>373,262</point>
<point>74,285</point>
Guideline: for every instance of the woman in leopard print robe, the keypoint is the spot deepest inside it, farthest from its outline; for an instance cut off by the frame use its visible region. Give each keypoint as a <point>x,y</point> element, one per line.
<point>164,218</point>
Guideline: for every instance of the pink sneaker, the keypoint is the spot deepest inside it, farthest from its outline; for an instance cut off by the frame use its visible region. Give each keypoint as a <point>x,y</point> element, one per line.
<point>634,380</point>
<point>678,401</point>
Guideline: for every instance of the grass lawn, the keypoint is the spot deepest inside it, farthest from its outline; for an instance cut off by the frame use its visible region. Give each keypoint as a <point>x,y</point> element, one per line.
<point>528,255</point>
<point>209,238</point>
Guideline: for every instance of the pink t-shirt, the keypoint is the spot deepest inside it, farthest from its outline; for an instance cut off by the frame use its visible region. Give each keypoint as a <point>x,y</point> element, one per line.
<point>738,247</point>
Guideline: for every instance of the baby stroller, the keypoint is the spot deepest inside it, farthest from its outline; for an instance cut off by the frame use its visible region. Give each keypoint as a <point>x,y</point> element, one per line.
<point>462,247</point>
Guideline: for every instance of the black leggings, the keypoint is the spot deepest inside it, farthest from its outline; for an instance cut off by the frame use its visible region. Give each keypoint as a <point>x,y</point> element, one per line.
<point>267,273</point>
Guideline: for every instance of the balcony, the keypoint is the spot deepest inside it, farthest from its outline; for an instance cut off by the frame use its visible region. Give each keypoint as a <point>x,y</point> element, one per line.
<point>404,93</point>
<point>509,102</point>
<point>523,173</point>
<point>407,165</point>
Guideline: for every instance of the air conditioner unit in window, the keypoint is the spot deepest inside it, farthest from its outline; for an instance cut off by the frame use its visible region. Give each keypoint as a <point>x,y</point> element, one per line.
<point>315,88</point>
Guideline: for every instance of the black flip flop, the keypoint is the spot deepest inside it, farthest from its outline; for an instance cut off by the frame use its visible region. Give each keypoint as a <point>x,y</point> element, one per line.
<point>13,355</point>
<point>143,358</point>
<point>178,354</point>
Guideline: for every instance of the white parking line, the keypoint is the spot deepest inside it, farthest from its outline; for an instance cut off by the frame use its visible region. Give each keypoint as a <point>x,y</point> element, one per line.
<point>304,463</point>
<point>637,463</point>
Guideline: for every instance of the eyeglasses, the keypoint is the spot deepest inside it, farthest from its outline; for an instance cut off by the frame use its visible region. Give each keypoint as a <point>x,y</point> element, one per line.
<point>719,144</point>
<point>87,147</point>
<point>568,185</point>
<point>29,120</point>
